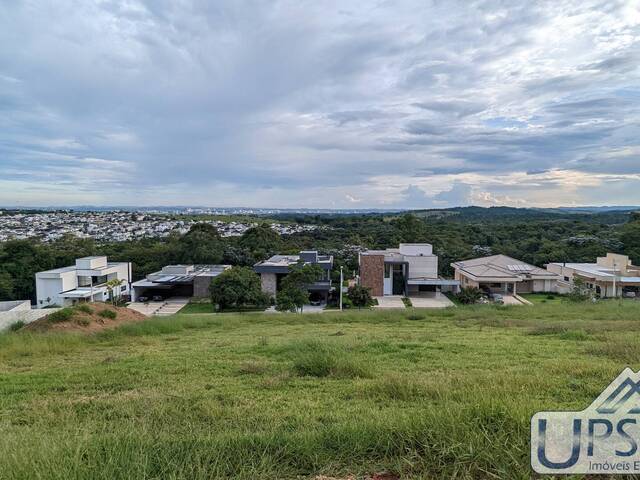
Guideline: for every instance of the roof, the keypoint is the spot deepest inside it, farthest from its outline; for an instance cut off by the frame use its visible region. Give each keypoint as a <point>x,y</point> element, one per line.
<point>281,263</point>
<point>599,270</point>
<point>184,278</point>
<point>501,267</point>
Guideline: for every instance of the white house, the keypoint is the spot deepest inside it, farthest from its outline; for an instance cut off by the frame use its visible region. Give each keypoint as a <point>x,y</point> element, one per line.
<point>84,281</point>
<point>410,269</point>
<point>610,276</point>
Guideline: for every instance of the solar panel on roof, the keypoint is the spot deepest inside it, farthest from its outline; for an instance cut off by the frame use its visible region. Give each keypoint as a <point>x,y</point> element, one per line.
<point>519,268</point>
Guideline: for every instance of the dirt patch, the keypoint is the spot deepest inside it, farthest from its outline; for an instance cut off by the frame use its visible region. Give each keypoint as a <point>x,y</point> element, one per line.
<point>88,318</point>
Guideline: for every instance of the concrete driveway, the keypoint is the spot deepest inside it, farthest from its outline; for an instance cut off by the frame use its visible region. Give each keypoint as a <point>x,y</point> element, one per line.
<point>431,301</point>
<point>170,306</point>
<point>389,301</point>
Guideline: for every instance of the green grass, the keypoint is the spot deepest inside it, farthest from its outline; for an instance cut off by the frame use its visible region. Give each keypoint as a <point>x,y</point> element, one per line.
<point>543,298</point>
<point>448,394</point>
<point>197,307</point>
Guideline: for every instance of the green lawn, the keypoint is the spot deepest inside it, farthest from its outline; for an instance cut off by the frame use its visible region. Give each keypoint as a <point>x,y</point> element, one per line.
<point>197,307</point>
<point>537,298</point>
<point>424,394</point>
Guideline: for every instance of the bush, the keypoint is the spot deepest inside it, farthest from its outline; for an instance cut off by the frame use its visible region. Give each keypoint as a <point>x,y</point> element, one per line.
<point>16,326</point>
<point>360,296</point>
<point>83,307</point>
<point>108,314</point>
<point>469,295</point>
<point>62,315</point>
<point>84,322</point>
<point>407,302</point>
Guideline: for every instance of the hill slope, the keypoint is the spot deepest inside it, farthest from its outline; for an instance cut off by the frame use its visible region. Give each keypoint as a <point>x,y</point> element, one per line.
<point>438,394</point>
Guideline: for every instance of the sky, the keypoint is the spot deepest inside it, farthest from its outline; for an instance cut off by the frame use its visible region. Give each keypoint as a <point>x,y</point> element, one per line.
<point>320,104</point>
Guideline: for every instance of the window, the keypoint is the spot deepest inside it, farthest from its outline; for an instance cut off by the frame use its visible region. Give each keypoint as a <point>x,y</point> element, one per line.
<point>567,279</point>
<point>387,270</point>
<point>123,288</point>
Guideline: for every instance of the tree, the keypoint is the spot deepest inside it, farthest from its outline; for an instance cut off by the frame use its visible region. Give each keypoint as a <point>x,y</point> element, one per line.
<point>630,237</point>
<point>360,296</point>
<point>114,285</point>
<point>238,287</point>
<point>580,291</point>
<point>262,241</point>
<point>293,294</point>
<point>201,245</point>
<point>469,295</point>
<point>6,286</point>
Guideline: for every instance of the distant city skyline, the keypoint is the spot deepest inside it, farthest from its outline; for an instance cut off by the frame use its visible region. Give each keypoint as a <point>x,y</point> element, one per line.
<point>325,105</point>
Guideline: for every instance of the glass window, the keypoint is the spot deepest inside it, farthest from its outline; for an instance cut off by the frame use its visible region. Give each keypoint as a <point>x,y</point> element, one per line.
<point>387,270</point>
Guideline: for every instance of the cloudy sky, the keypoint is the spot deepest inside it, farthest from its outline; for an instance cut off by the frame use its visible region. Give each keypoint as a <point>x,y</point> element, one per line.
<point>335,104</point>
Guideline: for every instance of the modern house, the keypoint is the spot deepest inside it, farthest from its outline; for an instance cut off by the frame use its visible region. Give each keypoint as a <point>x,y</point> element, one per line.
<point>85,281</point>
<point>177,281</point>
<point>611,276</point>
<point>503,274</point>
<point>274,269</point>
<point>410,269</point>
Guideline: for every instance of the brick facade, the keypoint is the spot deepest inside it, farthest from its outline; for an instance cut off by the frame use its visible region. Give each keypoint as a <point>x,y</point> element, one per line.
<point>372,273</point>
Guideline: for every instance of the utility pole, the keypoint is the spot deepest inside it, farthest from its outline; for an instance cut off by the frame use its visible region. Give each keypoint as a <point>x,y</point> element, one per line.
<point>341,280</point>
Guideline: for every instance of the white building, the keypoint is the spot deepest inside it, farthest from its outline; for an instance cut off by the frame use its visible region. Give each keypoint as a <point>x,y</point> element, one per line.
<point>411,269</point>
<point>611,276</point>
<point>84,281</point>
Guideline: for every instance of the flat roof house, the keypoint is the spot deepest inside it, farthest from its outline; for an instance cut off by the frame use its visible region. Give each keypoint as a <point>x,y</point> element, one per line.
<point>274,269</point>
<point>84,281</point>
<point>407,270</point>
<point>610,276</point>
<point>503,274</point>
<point>177,281</point>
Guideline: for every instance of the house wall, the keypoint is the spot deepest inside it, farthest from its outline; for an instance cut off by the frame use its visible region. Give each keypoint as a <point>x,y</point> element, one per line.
<point>269,283</point>
<point>201,286</point>
<point>425,266</point>
<point>372,273</point>
<point>465,282</point>
<point>50,287</point>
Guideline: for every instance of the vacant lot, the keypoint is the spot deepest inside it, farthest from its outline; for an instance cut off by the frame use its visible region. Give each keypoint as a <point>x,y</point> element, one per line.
<point>436,394</point>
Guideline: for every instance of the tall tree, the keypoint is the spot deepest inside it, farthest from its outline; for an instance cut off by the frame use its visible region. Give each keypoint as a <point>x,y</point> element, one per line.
<point>293,294</point>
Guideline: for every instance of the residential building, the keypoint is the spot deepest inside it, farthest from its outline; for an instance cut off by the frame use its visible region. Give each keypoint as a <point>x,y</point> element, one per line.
<point>274,269</point>
<point>611,276</point>
<point>410,269</point>
<point>503,274</point>
<point>177,281</point>
<point>84,281</point>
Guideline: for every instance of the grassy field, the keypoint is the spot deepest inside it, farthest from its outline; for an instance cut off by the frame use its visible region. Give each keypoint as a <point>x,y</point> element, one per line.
<point>537,298</point>
<point>423,394</point>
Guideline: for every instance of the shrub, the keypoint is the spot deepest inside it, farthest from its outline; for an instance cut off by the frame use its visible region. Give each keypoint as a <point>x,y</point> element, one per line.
<point>108,314</point>
<point>551,297</point>
<point>62,315</point>
<point>84,322</point>
<point>407,302</point>
<point>359,296</point>
<point>469,295</point>
<point>16,326</point>
<point>83,307</point>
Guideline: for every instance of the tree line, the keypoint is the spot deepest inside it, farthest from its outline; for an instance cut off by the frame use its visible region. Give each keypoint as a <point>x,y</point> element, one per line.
<point>533,239</point>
